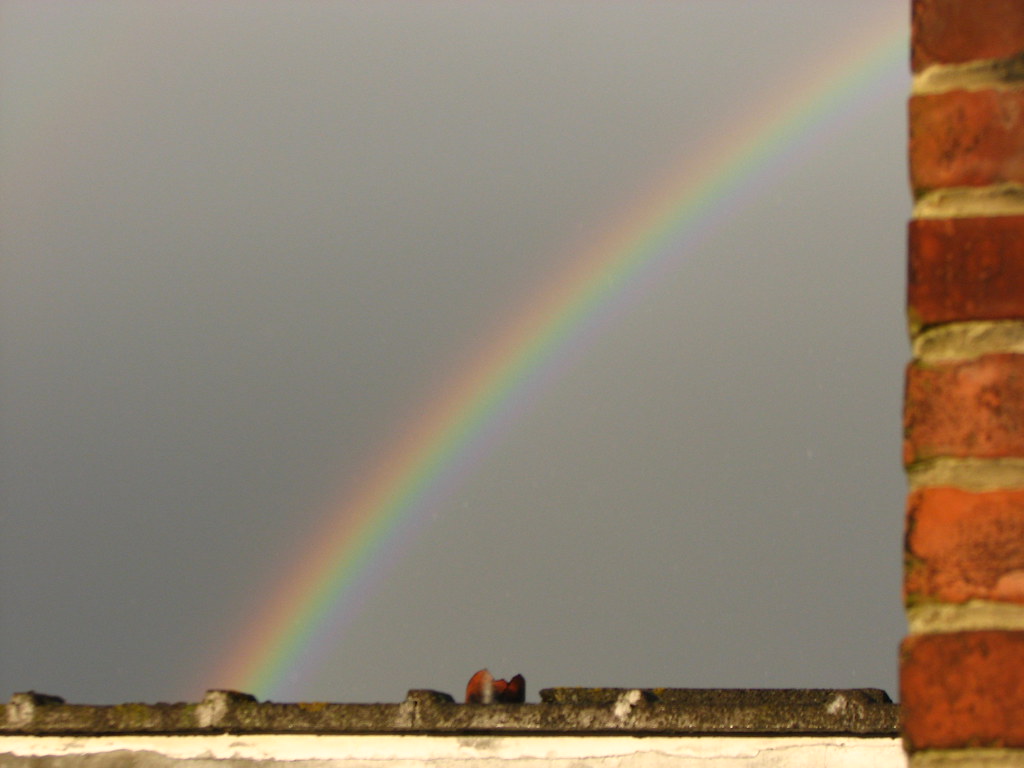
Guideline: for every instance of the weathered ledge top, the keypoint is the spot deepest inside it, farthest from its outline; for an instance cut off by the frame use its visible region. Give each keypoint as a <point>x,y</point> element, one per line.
<point>562,711</point>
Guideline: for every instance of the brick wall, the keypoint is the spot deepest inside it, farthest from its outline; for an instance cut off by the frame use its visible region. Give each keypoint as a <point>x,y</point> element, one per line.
<point>962,665</point>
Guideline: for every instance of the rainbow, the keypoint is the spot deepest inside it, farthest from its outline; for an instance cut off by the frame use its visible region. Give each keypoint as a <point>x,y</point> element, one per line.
<point>333,577</point>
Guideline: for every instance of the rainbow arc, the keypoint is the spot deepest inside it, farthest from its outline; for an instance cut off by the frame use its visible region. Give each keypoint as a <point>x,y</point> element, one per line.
<point>419,470</point>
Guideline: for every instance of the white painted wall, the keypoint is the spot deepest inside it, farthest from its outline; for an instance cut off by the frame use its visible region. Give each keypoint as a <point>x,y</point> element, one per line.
<point>389,751</point>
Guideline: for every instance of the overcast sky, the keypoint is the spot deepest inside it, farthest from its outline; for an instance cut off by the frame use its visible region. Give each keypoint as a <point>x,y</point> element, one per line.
<point>244,244</point>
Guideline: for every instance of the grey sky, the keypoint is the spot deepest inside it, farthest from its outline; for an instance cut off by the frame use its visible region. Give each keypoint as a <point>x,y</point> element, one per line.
<point>244,243</point>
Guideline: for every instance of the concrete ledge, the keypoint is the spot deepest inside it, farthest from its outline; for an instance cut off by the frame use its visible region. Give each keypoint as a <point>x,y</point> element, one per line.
<point>857,712</point>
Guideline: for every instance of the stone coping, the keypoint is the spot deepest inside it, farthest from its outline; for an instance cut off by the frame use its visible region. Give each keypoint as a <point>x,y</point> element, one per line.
<point>618,711</point>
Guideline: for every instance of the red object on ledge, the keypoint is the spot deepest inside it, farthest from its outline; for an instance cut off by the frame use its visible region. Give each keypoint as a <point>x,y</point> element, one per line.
<point>484,689</point>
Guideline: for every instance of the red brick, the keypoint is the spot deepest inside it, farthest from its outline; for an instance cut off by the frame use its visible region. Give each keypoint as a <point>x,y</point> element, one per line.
<point>966,139</point>
<point>957,31</point>
<point>963,689</point>
<point>966,269</point>
<point>965,546</point>
<point>972,408</point>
